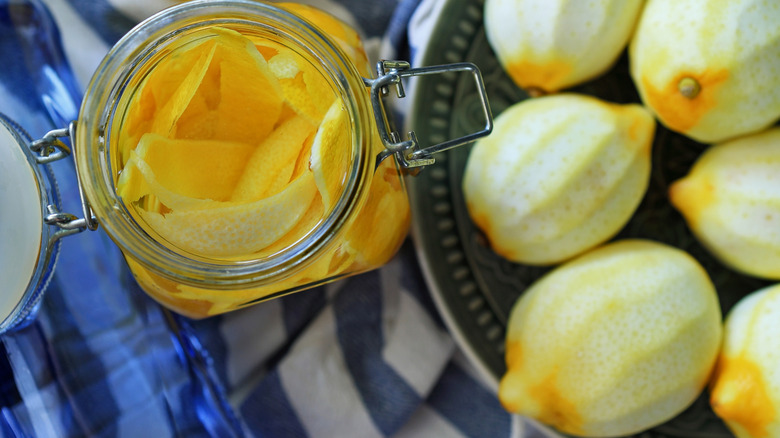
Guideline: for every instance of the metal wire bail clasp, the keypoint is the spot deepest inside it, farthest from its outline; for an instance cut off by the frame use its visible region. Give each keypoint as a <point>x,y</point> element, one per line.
<point>408,152</point>
<point>49,149</point>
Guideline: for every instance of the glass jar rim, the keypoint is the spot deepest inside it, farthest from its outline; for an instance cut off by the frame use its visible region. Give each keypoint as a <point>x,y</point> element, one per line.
<point>48,250</point>
<point>96,113</point>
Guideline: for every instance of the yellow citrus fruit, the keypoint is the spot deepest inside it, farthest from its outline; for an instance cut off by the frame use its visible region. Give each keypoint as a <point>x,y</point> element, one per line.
<point>731,202</point>
<point>558,175</point>
<point>709,70</point>
<point>745,387</point>
<point>613,342</point>
<point>555,44</point>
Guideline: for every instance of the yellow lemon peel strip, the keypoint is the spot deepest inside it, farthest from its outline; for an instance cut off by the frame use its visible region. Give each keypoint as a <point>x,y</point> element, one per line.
<point>174,107</point>
<point>133,183</point>
<point>343,34</point>
<point>203,169</point>
<point>304,226</point>
<point>138,183</point>
<point>330,154</point>
<point>272,163</point>
<point>172,75</point>
<point>235,228</point>
<point>250,95</point>
<point>284,65</point>
<point>368,238</point>
<point>200,124</point>
<point>297,96</point>
<point>302,164</point>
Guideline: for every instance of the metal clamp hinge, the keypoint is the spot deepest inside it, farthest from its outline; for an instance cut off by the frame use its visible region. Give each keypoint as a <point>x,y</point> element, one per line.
<point>408,152</point>
<point>49,149</point>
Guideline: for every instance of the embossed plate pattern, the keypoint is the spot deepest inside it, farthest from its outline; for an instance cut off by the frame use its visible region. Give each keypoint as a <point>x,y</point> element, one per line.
<point>474,288</point>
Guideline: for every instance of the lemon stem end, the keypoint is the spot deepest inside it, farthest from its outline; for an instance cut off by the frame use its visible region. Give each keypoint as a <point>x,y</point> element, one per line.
<point>689,87</point>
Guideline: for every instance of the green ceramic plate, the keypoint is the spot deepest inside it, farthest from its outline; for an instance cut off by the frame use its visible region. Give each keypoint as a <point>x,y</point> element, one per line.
<point>473,287</point>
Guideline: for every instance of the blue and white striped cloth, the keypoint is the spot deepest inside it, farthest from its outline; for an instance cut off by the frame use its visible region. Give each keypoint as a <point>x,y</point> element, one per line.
<point>364,357</point>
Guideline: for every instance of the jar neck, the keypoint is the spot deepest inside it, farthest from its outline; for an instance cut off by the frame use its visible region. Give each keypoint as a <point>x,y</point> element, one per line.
<point>121,68</point>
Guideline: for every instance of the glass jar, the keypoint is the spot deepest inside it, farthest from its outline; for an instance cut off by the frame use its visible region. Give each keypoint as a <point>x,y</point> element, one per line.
<point>160,191</point>
<point>30,245</point>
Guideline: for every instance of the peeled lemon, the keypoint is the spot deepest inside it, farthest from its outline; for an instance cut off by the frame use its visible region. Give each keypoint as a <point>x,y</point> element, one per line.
<point>558,175</point>
<point>709,70</point>
<point>731,201</point>
<point>554,44</point>
<point>614,342</point>
<point>745,388</point>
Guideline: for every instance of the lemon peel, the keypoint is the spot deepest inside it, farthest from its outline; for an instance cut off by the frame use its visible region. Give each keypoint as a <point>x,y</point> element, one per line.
<point>385,210</point>
<point>138,183</point>
<point>284,65</point>
<point>330,154</point>
<point>307,223</point>
<point>272,164</point>
<point>177,103</point>
<point>203,169</point>
<point>250,95</point>
<point>133,183</point>
<point>235,228</point>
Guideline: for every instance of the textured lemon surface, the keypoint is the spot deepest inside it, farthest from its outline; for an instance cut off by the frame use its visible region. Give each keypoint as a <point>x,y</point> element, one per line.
<point>613,342</point>
<point>731,201</point>
<point>745,388</point>
<point>710,70</point>
<point>558,175</point>
<point>555,44</point>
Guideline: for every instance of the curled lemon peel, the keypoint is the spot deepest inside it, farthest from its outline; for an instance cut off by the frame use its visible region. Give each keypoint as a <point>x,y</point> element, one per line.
<point>228,228</point>
<point>173,109</point>
<point>201,169</point>
<point>272,164</point>
<point>330,154</point>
